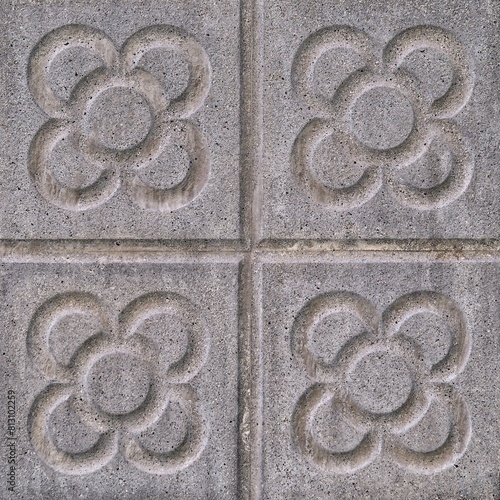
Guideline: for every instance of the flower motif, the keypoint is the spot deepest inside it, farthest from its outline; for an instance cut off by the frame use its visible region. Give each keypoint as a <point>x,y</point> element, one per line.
<point>120,70</point>
<point>431,117</point>
<point>381,430</point>
<point>71,382</point>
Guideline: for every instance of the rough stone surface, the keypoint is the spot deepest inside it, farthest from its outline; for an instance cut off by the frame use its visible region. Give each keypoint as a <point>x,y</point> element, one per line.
<point>103,358</point>
<point>94,124</point>
<point>249,250</point>
<point>357,135</point>
<point>389,410</point>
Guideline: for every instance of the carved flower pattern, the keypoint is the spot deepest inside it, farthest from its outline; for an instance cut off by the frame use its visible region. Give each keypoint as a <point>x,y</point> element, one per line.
<point>381,431</point>
<point>383,68</point>
<point>118,432</point>
<point>120,69</point>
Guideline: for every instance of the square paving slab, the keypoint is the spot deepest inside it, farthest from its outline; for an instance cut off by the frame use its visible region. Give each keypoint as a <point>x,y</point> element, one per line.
<point>379,120</point>
<point>124,378</point>
<point>374,380</point>
<point>127,114</point>
<point>249,249</point>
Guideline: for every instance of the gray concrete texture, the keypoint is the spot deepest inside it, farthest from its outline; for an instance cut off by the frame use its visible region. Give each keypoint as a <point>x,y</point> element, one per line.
<point>249,249</point>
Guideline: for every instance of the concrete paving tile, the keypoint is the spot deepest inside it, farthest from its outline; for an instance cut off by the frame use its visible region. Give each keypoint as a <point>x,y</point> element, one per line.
<point>380,380</point>
<point>122,381</point>
<point>379,120</point>
<point>121,119</point>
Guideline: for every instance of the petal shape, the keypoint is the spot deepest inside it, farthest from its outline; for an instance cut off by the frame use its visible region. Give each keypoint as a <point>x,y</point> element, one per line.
<point>434,303</point>
<point>189,450</point>
<point>313,313</point>
<point>85,462</point>
<point>312,49</point>
<point>156,303</point>
<point>65,37</point>
<point>173,38</point>
<point>450,451</point>
<point>183,193</point>
<point>345,462</point>
<point>50,188</point>
<point>456,182</point>
<point>421,37</point>
<point>309,138</point>
<point>46,316</point>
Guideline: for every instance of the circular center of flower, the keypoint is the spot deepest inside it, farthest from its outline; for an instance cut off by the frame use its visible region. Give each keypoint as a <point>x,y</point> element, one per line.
<point>119,118</point>
<point>382,118</point>
<point>380,382</point>
<point>118,383</point>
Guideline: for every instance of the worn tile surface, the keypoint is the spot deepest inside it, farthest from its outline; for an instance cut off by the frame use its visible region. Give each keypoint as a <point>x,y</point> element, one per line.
<point>125,379</point>
<point>249,249</point>
<point>379,120</point>
<point>375,383</point>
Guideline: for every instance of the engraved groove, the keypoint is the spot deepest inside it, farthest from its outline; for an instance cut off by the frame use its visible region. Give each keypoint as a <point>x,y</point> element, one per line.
<point>173,198</point>
<point>171,37</point>
<point>315,312</point>
<point>324,40</point>
<point>455,183</point>
<point>352,196</point>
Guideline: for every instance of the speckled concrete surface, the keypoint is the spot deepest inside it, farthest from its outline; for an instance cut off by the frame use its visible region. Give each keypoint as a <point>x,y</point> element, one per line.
<point>389,109</point>
<point>249,249</point>
<point>127,386</point>
<point>135,92</point>
<point>377,380</point>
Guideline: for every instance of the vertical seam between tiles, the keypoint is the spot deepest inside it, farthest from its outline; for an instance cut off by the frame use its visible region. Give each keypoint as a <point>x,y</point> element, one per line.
<point>250,418</point>
<point>250,382</point>
<point>251,53</point>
